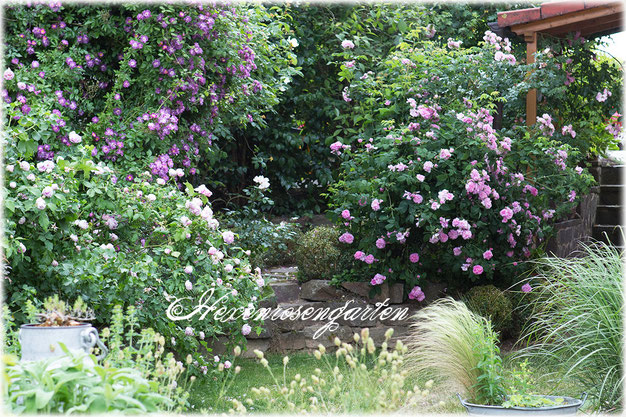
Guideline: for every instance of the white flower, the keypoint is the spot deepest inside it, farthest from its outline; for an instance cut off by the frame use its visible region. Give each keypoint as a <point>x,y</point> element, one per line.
<point>25,166</point>
<point>82,224</point>
<point>10,168</point>
<point>262,181</point>
<point>30,177</point>
<point>151,197</point>
<point>45,166</point>
<point>188,285</point>
<point>74,237</point>
<point>40,203</point>
<point>74,137</point>
<point>203,190</point>
<point>201,334</point>
<point>188,269</point>
<point>293,42</point>
<point>12,184</point>
<point>207,213</point>
<point>160,181</point>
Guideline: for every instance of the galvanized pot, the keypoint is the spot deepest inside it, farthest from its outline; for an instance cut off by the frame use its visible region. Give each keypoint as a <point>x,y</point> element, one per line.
<point>568,407</point>
<point>43,342</point>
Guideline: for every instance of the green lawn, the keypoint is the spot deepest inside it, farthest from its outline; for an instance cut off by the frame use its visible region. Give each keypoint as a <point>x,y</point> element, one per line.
<point>205,391</point>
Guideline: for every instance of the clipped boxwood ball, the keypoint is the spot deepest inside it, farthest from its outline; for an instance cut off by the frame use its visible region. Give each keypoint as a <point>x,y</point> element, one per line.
<point>492,303</point>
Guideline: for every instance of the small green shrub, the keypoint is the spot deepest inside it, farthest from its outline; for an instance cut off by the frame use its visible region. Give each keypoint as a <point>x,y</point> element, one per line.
<point>492,303</point>
<point>318,255</point>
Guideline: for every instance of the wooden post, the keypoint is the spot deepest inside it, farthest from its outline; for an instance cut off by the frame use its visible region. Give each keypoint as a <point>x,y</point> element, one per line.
<point>531,96</point>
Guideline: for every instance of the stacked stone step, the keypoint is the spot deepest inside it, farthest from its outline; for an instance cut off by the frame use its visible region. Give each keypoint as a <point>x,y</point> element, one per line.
<point>609,213</point>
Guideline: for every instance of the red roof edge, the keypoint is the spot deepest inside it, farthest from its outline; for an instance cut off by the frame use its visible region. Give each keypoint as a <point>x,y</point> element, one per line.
<point>514,17</point>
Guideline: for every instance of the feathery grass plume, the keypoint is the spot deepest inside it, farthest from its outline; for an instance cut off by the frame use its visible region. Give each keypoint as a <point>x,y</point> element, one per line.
<point>577,320</point>
<point>448,342</point>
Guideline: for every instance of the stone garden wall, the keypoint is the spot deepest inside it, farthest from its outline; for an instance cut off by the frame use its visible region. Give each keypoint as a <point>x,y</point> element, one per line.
<point>286,335</point>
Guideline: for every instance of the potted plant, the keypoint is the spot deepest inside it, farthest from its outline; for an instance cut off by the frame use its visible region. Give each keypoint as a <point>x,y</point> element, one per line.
<point>58,323</point>
<point>459,348</point>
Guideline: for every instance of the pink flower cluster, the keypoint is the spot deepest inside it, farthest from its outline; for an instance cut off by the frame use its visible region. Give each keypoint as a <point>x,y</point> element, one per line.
<point>361,256</point>
<point>346,238</point>
<point>602,96</point>
<point>417,294</point>
<point>416,197</point>
<point>337,147</point>
<point>378,279</point>
<point>545,124</point>
<point>568,129</point>
<point>478,185</point>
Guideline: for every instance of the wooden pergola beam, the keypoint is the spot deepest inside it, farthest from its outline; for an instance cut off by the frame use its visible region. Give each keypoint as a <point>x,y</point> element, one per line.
<point>531,96</point>
<point>555,22</point>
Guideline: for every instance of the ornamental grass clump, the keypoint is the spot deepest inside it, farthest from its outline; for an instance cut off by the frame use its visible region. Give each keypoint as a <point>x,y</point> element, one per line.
<point>356,377</point>
<point>457,348</point>
<point>577,321</point>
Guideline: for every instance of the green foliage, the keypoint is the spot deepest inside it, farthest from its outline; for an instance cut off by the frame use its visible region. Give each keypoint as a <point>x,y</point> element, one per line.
<point>133,346</point>
<point>318,255</point>
<point>294,148</point>
<point>76,384</point>
<point>492,303</point>
<point>267,242</point>
<point>522,391</point>
<point>489,387</point>
<point>578,321</point>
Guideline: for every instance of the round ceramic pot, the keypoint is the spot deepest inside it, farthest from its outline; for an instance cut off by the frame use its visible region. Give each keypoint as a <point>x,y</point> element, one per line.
<point>43,342</point>
<point>568,407</point>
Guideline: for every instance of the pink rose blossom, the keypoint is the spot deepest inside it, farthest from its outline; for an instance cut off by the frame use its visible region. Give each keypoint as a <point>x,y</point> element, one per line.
<point>345,214</point>
<point>417,294</point>
<point>380,243</point>
<point>477,270</point>
<point>358,255</point>
<point>229,237</point>
<point>414,257</point>
<point>369,259</point>
<point>376,204</point>
<point>527,288</point>
<point>506,214</point>
<point>488,254</point>
<point>378,279</point>
<point>346,238</point>
<point>246,329</point>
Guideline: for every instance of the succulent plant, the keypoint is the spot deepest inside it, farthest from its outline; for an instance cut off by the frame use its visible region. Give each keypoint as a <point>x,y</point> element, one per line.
<point>58,313</point>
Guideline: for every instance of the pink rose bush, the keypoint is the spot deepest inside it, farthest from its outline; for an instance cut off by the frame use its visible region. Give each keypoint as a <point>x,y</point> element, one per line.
<point>439,193</point>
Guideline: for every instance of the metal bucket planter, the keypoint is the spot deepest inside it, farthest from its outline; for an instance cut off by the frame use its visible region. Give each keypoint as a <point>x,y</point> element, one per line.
<point>39,342</point>
<point>568,407</point>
